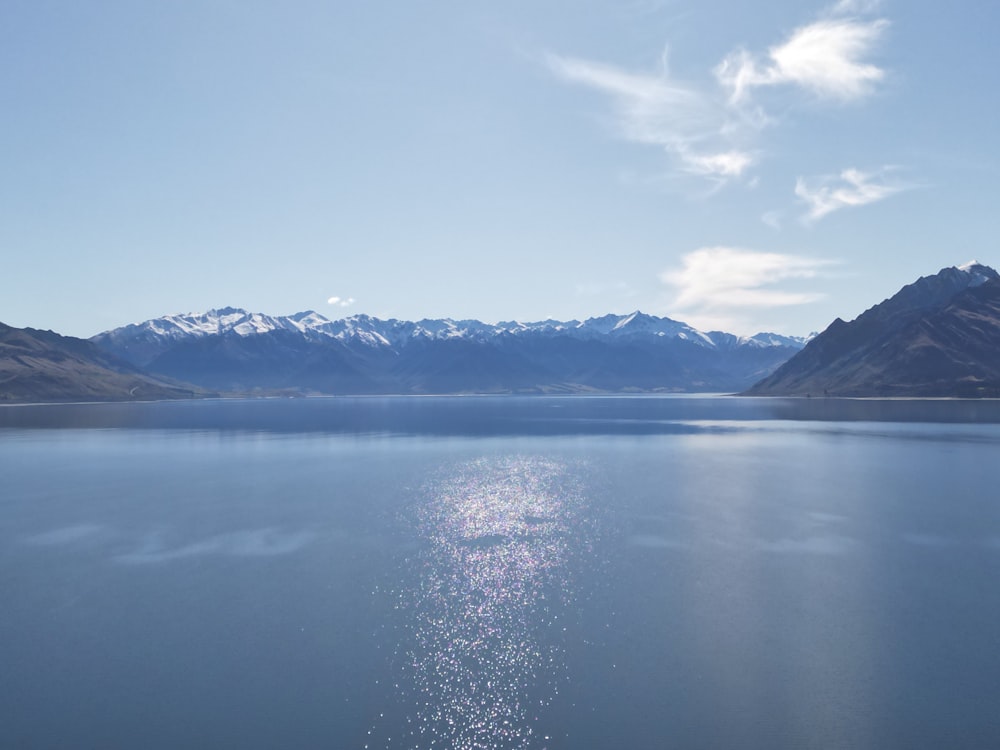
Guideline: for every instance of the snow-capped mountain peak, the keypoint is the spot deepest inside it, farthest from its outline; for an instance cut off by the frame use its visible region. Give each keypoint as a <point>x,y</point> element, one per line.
<point>979,273</point>
<point>240,322</point>
<point>233,349</point>
<point>142,342</point>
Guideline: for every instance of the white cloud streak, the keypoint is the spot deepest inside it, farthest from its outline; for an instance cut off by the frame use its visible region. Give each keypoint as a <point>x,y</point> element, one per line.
<point>709,131</point>
<point>653,109</point>
<point>850,189</point>
<point>712,282</point>
<point>340,301</point>
<point>772,219</point>
<point>848,7</point>
<point>722,164</point>
<point>825,57</point>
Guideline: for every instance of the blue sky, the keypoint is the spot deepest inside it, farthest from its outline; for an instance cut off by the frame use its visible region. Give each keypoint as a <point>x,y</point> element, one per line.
<point>743,166</point>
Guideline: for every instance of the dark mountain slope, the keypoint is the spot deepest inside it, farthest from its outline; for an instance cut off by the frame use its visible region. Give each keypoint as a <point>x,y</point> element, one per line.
<point>44,366</point>
<point>939,336</point>
<point>269,361</point>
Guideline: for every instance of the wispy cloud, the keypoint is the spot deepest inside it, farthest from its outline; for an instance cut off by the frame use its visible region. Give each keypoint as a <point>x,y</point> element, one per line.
<point>772,219</point>
<point>851,188</point>
<point>340,301</point>
<point>711,130</point>
<point>847,7</point>
<point>722,164</point>
<point>826,57</point>
<point>714,282</point>
<point>655,109</point>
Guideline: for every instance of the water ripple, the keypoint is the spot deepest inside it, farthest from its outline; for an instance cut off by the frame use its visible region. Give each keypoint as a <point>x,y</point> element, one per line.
<point>479,660</point>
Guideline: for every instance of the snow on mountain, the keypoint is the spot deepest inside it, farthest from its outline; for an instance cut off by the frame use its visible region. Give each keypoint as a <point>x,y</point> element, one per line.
<point>640,323</point>
<point>141,342</point>
<point>979,273</point>
<point>599,326</point>
<point>548,325</point>
<point>232,350</point>
<point>776,339</point>
<point>213,322</point>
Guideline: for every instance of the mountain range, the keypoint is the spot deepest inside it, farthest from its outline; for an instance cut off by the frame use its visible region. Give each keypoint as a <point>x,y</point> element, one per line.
<point>939,336</point>
<point>936,337</point>
<point>234,350</point>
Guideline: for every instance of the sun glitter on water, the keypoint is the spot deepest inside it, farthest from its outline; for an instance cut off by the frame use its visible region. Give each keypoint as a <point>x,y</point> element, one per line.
<point>478,663</point>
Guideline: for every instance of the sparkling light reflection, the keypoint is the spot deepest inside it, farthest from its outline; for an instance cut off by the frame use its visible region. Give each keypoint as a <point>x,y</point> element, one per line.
<point>480,658</point>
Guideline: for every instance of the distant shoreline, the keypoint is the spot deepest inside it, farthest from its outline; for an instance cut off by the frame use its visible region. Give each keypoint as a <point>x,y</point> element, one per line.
<point>609,394</point>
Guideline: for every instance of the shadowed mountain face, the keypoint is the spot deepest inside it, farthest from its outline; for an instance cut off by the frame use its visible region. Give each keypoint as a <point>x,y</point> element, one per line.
<point>44,366</point>
<point>231,349</point>
<point>939,336</point>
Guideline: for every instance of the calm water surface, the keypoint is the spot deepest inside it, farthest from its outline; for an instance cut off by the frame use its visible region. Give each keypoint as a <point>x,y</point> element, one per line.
<point>501,573</point>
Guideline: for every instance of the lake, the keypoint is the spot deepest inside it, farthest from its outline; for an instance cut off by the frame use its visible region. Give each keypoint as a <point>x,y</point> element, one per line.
<point>501,572</point>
